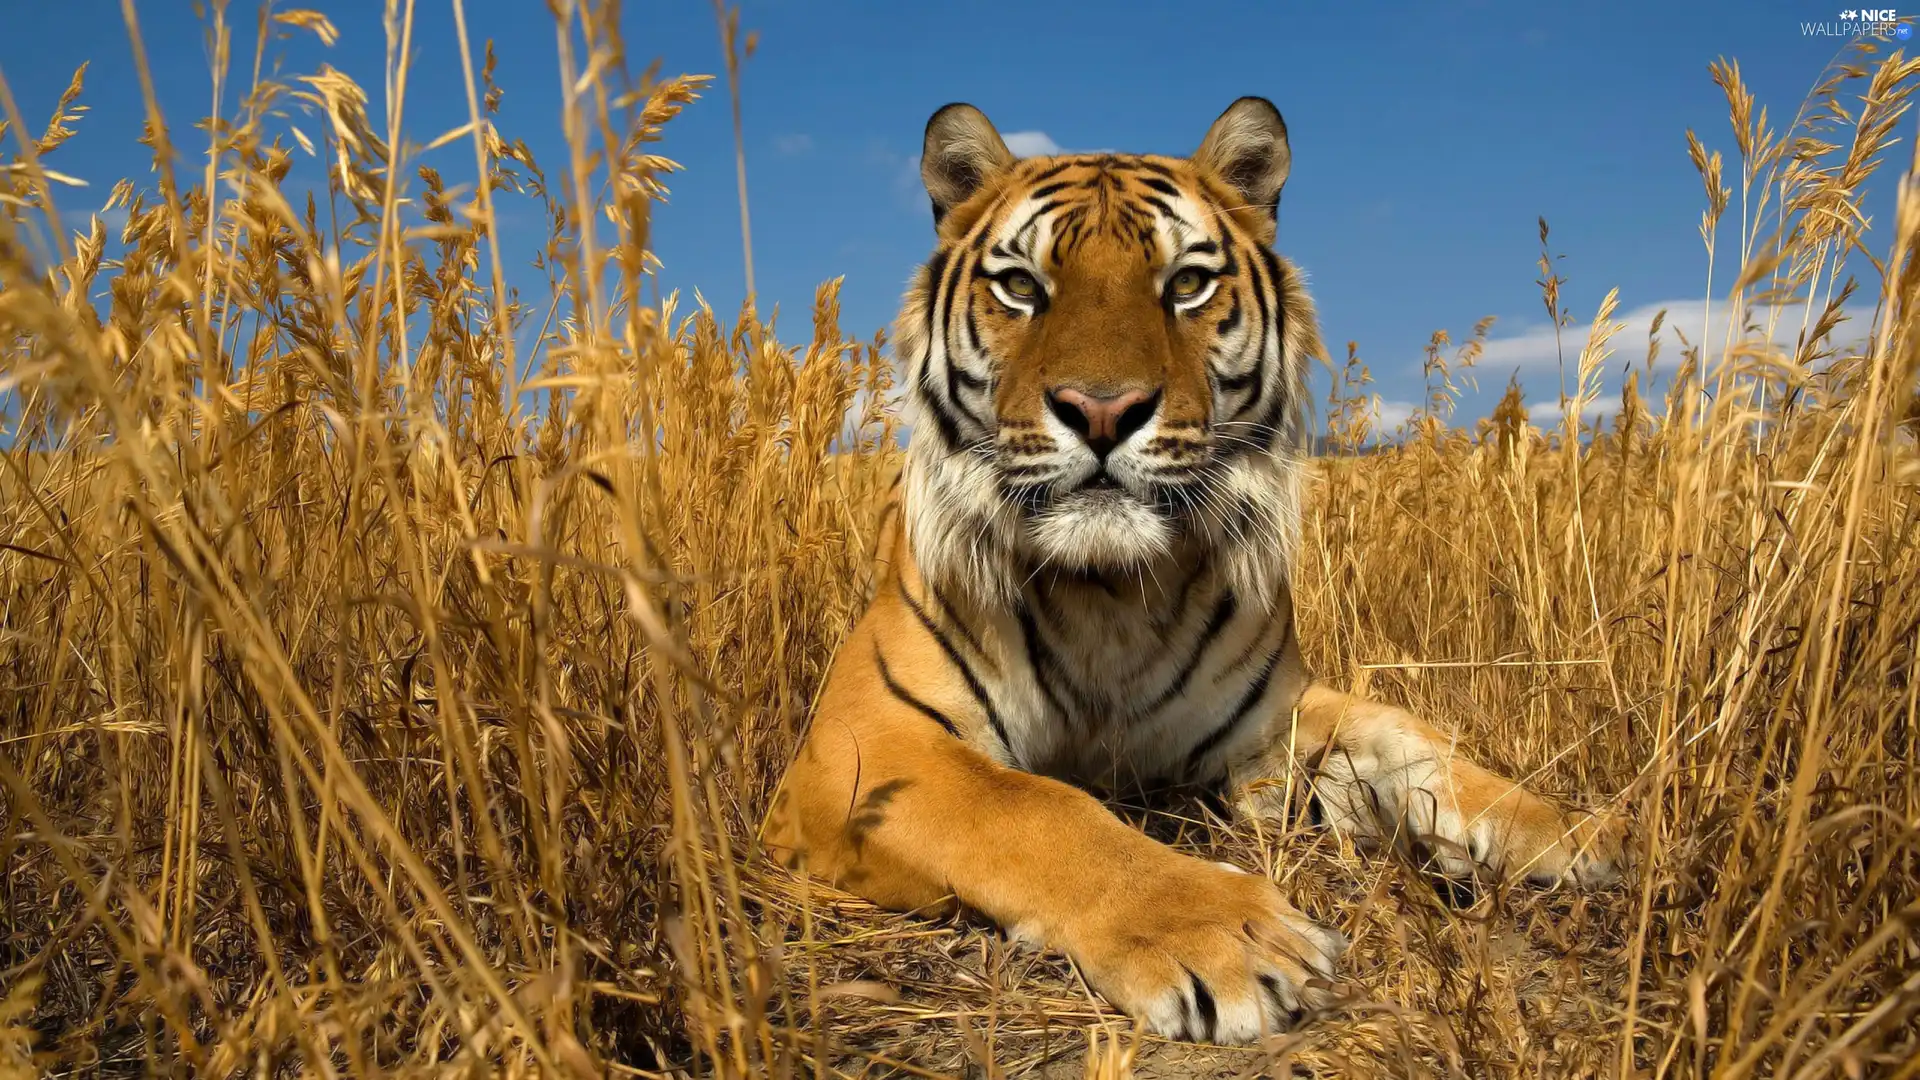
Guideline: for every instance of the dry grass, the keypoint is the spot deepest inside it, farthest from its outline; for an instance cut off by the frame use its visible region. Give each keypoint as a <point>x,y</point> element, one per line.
<point>384,698</point>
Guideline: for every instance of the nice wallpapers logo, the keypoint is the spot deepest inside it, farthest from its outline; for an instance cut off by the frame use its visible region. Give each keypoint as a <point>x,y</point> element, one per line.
<point>1854,22</point>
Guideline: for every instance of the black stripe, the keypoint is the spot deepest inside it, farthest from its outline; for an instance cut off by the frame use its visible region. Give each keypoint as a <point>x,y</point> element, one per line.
<point>1022,241</point>
<point>1242,521</point>
<point>1049,189</point>
<point>1046,208</point>
<point>1255,691</point>
<point>944,300</point>
<point>1262,296</point>
<point>1284,400</point>
<point>1266,424</point>
<point>966,670</point>
<point>1050,620</point>
<point>952,616</point>
<point>1066,234</point>
<point>1231,266</point>
<point>962,375</point>
<point>1277,271</point>
<point>1293,1013</point>
<point>1163,206</point>
<point>1233,384</point>
<point>900,692</point>
<point>1159,185</point>
<point>1038,658</point>
<point>952,284</point>
<point>1178,611</point>
<point>949,427</point>
<point>1266,427</point>
<point>1242,518</point>
<point>956,371</point>
<point>1033,218</point>
<point>955,376</point>
<point>1203,1003</point>
<point>1223,610</point>
<point>1052,171</point>
<point>972,342</point>
<point>936,269</point>
<point>1225,326</point>
<point>1272,263</point>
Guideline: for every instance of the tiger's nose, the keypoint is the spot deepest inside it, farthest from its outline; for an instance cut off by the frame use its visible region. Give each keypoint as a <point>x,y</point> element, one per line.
<point>1103,422</point>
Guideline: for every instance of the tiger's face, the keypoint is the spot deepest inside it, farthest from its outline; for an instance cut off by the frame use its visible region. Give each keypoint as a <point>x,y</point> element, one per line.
<point>1105,355</point>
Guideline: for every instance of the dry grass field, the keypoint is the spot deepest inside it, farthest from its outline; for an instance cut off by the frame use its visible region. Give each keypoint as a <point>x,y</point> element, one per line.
<point>382,695</point>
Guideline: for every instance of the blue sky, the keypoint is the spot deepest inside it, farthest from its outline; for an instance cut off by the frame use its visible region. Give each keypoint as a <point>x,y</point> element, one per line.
<point>1427,139</point>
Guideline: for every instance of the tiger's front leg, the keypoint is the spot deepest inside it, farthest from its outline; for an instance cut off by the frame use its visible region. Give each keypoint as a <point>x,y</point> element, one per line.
<point>1383,776</point>
<point>891,799</point>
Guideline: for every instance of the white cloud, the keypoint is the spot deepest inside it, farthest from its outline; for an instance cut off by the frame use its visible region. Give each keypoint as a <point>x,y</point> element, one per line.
<point>1023,144</point>
<point>1546,412</point>
<point>1703,323</point>
<point>111,220</point>
<point>1389,415</point>
<point>1031,144</point>
<point>793,145</point>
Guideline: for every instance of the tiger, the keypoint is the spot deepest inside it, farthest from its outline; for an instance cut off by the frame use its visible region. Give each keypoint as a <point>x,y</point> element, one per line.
<point>1082,588</point>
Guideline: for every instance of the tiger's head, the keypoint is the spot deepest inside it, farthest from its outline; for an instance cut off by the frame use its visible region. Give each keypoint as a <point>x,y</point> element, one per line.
<point>1105,359</point>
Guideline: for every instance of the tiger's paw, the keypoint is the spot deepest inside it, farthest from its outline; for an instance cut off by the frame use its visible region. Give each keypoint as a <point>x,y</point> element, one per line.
<point>1524,837</point>
<point>1464,826</point>
<point>1209,953</point>
<point>1588,850</point>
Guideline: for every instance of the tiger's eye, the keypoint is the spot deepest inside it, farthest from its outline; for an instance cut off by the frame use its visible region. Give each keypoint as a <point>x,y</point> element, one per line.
<point>1187,284</point>
<point>1021,284</point>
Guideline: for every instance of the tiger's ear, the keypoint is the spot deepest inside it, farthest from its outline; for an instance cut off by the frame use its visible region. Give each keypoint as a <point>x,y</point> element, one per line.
<point>1247,148</point>
<point>962,152</point>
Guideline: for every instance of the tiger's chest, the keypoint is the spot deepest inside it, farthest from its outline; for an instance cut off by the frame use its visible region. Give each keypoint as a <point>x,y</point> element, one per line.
<point>1138,682</point>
